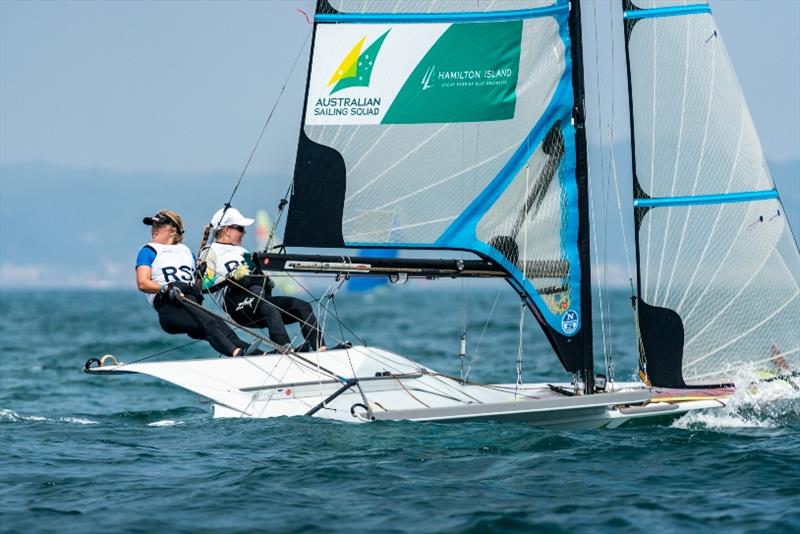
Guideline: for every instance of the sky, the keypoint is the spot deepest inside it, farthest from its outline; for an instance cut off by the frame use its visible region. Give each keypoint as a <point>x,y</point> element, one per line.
<point>182,88</point>
<point>185,86</point>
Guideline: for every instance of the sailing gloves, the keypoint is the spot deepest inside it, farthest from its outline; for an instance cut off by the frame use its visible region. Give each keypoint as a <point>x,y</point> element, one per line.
<point>240,272</point>
<point>171,292</point>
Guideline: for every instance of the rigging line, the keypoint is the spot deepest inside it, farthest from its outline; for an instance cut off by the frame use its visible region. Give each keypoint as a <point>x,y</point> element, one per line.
<point>338,319</point>
<point>476,352</point>
<point>678,154</point>
<point>260,298</point>
<point>628,260</point>
<point>162,352</point>
<point>291,355</point>
<point>606,178</point>
<point>347,351</point>
<point>437,377</point>
<point>709,101</point>
<point>269,375</point>
<point>269,117</point>
<point>278,216</point>
<point>463,341</point>
<point>518,384</point>
<point>411,394</point>
<point>213,234</point>
<point>612,153</point>
<point>609,360</point>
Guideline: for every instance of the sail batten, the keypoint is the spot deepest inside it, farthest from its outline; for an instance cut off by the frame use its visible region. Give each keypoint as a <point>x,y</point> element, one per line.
<point>399,18</point>
<point>671,11</point>
<point>722,198</point>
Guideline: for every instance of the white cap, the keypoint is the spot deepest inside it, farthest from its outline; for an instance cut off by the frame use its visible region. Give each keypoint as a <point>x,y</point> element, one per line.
<point>232,218</point>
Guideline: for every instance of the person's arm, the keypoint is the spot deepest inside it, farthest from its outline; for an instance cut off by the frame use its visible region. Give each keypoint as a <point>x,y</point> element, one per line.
<point>208,264</point>
<point>143,280</point>
<point>144,270</point>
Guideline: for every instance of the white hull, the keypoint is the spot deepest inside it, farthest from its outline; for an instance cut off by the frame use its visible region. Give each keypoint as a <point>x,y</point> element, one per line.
<point>391,387</point>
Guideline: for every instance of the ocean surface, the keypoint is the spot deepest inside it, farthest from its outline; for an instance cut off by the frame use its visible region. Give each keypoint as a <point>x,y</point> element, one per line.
<point>87,453</point>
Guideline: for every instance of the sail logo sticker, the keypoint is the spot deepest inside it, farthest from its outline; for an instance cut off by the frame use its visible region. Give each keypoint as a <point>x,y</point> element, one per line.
<point>355,69</point>
<point>414,74</point>
<point>426,80</point>
<point>569,322</point>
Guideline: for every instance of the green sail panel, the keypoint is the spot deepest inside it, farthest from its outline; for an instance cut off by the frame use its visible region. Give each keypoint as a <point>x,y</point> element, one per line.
<point>470,74</point>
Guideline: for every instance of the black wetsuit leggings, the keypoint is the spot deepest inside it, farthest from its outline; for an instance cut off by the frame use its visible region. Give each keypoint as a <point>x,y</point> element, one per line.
<point>274,313</point>
<point>180,318</point>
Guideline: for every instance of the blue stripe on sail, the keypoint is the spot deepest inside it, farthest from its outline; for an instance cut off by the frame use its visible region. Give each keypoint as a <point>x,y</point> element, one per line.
<point>693,9</point>
<point>397,18</point>
<point>461,234</point>
<point>724,198</point>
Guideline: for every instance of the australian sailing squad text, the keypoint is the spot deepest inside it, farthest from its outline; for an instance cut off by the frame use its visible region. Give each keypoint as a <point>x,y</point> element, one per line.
<point>347,106</point>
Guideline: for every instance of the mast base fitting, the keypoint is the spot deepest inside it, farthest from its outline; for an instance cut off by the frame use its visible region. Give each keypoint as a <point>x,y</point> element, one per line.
<point>600,382</point>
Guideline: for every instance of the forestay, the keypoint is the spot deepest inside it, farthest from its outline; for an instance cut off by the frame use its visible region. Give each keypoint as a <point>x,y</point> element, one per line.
<point>719,269</point>
<point>453,125</point>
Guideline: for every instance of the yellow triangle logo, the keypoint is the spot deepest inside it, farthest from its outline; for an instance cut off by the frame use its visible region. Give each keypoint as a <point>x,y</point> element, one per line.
<point>347,69</point>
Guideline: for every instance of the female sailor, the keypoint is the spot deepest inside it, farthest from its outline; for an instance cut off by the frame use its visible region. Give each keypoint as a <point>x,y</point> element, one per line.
<point>248,298</point>
<point>165,273</point>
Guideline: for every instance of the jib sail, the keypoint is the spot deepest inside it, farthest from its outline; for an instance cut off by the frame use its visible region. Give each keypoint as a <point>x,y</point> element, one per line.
<point>719,269</point>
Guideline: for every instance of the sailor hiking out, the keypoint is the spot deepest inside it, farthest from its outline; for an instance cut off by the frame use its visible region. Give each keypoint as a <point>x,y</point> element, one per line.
<point>248,297</point>
<point>165,270</point>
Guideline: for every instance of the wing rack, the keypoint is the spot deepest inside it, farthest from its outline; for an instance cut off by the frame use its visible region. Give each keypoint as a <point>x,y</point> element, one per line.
<point>368,266</point>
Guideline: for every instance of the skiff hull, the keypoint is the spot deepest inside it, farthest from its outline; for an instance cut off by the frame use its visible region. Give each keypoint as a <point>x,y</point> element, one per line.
<point>391,387</point>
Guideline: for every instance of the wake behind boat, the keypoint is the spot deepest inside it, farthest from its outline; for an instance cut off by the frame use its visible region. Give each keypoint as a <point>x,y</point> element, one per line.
<point>461,127</point>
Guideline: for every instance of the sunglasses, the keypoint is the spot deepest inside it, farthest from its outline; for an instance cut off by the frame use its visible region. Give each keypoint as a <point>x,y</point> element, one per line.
<point>237,227</point>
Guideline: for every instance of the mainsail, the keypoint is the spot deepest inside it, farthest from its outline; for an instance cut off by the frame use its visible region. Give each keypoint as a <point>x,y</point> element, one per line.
<point>719,269</point>
<point>458,126</point>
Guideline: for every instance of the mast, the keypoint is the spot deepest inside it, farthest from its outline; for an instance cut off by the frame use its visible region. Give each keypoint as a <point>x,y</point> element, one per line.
<point>581,175</point>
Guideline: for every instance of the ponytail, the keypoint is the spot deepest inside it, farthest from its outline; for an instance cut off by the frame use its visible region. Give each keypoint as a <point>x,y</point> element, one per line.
<point>206,233</point>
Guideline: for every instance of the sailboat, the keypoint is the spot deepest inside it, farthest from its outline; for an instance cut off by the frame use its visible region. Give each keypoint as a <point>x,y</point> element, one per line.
<point>460,126</point>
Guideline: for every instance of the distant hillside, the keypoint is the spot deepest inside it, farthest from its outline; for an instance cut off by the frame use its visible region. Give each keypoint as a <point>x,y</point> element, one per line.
<point>62,227</point>
<point>79,227</point>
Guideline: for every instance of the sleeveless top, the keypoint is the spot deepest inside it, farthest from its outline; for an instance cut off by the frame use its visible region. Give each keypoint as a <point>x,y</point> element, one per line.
<point>169,263</point>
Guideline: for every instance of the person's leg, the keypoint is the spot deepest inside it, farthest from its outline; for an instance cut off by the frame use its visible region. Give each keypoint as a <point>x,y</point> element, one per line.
<point>268,313</point>
<point>294,310</point>
<point>251,311</point>
<point>179,318</point>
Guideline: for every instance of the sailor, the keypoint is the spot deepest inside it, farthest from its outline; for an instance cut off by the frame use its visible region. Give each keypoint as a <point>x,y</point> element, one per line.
<point>247,297</point>
<point>165,270</point>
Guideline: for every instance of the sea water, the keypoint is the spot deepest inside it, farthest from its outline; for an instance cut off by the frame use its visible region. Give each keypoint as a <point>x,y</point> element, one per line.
<point>132,454</point>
